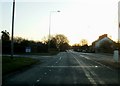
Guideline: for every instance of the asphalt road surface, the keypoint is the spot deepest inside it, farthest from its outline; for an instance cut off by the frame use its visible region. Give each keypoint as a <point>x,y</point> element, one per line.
<point>67,68</point>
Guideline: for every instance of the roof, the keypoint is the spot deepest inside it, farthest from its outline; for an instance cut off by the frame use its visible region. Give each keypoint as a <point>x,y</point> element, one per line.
<point>100,38</point>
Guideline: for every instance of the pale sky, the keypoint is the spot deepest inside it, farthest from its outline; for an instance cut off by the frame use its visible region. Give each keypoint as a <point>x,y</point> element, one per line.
<point>78,19</point>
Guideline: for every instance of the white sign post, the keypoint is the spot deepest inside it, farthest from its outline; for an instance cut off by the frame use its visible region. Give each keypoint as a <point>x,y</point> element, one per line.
<point>116,55</point>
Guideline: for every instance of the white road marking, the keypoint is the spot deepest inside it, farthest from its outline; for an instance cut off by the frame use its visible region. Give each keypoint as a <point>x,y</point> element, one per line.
<point>45,73</point>
<point>100,81</point>
<point>96,62</point>
<point>92,72</point>
<point>86,73</point>
<point>96,66</point>
<point>69,66</point>
<point>38,80</point>
<point>84,57</point>
<point>103,65</point>
<point>60,58</point>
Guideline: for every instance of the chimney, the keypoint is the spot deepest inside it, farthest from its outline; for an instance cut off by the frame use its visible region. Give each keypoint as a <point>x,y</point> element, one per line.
<point>102,36</point>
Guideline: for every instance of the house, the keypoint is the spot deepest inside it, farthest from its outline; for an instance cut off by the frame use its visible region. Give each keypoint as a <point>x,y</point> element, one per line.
<point>103,44</point>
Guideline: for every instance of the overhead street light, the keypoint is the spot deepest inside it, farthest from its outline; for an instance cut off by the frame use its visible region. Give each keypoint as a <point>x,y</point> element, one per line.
<point>50,27</point>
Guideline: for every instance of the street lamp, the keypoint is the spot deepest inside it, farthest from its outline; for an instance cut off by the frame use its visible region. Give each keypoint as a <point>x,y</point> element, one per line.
<point>50,27</point>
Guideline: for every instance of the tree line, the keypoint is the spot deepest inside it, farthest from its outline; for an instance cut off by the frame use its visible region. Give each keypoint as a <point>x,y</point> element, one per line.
<point>104,47</point>
<point>58,42</point>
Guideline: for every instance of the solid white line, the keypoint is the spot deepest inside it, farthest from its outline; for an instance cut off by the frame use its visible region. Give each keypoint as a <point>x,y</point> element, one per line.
<point>60,58</point>
<point>103,65</point>
<point>38,80</point>
<point>45,73</point>
<point>100,81</point>
<point>96,62</point>
<point>69,66</point>
<point>92,72</point>
<point>86,73</point>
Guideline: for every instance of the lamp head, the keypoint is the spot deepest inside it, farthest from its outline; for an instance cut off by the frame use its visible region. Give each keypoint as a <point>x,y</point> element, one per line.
<point>58,11</point>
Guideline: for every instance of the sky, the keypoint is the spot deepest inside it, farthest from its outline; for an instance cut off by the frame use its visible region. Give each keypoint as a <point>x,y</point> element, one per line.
<point>77,19</point>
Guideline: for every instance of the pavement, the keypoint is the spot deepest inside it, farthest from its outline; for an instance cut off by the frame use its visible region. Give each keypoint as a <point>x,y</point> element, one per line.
<point>66,68</point>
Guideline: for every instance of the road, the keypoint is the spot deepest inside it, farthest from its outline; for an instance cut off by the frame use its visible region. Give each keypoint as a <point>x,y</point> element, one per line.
<point>67,68</point>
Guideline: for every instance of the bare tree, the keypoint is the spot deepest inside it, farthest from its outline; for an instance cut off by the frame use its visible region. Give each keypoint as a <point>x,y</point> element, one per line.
<point>61,40</point>
<point>83,42</point>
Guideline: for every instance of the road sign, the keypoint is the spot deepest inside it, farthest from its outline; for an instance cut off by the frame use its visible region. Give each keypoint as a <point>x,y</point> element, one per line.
<point>28,49</point>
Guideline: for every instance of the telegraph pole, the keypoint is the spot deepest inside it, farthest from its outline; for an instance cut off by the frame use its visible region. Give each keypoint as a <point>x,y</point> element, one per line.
<point>12,42</point>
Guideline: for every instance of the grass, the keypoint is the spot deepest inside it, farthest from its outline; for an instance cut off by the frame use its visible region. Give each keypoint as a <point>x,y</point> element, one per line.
<point>11,65</point>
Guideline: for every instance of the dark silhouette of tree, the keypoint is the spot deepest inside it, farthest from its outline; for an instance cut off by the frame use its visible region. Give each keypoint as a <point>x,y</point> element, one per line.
<point>64,46</point>
<point>60,41</point>
<point>18,39</point>
<point>45,40</point>
<point>6,43</point>
<point>20,44</point>
<point>53,43</point>
<point>76,47</point>
<point>84,48</point>
<point>5,36</point>
<point>36,47</point>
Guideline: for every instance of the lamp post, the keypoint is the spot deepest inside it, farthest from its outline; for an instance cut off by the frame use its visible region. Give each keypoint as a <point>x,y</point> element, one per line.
<point>50,28</point>
<point>12,44</point>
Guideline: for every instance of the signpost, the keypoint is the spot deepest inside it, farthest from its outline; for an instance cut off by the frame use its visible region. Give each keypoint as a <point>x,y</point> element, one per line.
<point>28,49</point>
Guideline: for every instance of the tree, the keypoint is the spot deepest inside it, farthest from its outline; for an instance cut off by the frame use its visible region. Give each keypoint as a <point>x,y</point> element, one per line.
<point>84,42</point>
<point>76,47</point>
<point>5,36</point>
<point>84,48</point>
<point>18,39</point>
<point>6,43</point>
<point>60,41</point>
<point>45,40</point>
<point>53,43</point>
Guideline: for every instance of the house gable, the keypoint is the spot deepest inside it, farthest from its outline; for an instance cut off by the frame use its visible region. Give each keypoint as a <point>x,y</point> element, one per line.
<point>101,39</point>
<point>97,43</point>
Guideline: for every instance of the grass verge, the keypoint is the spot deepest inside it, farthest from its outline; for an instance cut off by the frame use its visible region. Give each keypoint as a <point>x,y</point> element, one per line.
<point>17,63</point>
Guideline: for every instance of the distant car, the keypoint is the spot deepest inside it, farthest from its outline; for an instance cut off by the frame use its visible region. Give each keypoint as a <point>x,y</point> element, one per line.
<point>84,51</point>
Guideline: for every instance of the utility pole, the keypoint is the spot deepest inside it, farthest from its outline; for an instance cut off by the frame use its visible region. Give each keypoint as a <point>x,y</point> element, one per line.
<point>12,42</point>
